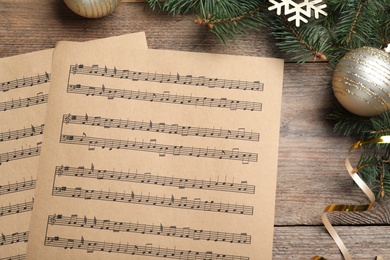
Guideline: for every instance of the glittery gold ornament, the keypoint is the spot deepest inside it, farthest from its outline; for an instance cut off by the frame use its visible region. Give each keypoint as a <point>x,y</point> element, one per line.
<point>92,8</point>
<point>361,81</point>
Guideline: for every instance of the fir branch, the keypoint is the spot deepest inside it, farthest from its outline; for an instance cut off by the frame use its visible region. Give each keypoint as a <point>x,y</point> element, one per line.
<point>383,26</point>
<point>353,25</point>
<point>356,24</point>
<point>350,24</point>
<point>367,161</point>
<point>308,42</point>
<point>381,181</point>
<point>210,23</point>
<point>380,125</point>
<point>224,18</point>
<point>174,7</point>
<point>348,124</point>
<point>228,18</point>
<point>310,47</point>
<point>374,164</point>
<point>370,168</point>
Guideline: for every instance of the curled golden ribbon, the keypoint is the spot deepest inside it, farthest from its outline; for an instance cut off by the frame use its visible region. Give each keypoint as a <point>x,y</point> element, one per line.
<point>354,208</point>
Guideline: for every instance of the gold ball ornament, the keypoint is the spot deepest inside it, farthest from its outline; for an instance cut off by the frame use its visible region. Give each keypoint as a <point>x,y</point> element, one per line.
<point>92,8</point>
<point>361,81</point>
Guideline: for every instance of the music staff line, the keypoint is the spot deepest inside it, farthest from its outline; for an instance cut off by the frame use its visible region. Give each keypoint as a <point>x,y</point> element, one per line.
<point>39,99</point>
<point>15,257</point>
<point>148,178</point>
<point>24,153</point>
<point>14,238</point>
<point>139,228</point>
<point>165,97</point>
<point>149,200</point>
<point>16,208</point>
<point>17,187</point>
<point>162,149</point>
<point>22,133</point>
<point>175,129</point>
<point>176,78</point>
<point>25,82</point>
<point>146,250</point>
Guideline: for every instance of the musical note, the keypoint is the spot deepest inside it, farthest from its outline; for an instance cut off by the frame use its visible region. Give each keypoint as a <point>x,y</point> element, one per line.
<point>161,149</point>
<point>125,74</point>
<point>182,203</point>
<point>17,187</point>
<point>239,134</point>
<point>166,97</point>
<point>16,208</point>
<point>20,154</point>
<point>147,178</point>
<point>168,78</point>
<point>15,257</point>
<point>25,82</point>
<point>14,238</point>
<point>146,250</point>
<point>39,99</point>
<point>93,69</point>
<point>22,133</point>
<point>70,243</point>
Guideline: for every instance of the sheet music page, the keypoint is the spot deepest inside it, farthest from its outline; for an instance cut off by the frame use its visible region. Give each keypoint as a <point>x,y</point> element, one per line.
<point>24,92</point>
<point>24,88</point>
<point>158,154</point>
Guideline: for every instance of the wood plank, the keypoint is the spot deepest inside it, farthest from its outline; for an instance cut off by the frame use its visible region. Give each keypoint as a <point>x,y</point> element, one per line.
<point>27,27</point>
<point>363,243</point>
<point>311,156</point>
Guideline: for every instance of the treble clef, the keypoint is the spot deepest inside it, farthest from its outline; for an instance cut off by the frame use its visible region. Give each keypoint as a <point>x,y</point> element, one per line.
<point>74,69</point>
<point>60,170</point>
<point>52,219</point>
<point>67,118</point>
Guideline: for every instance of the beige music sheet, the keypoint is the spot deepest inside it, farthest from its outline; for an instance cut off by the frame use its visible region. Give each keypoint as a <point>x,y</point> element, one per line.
<point>24,92</point>
<point>158,154</point>
<point>24,89</point>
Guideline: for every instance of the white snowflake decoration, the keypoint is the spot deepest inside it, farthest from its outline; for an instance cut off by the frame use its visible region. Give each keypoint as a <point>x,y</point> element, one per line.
<point>300,10</point>
<point>387,49</point>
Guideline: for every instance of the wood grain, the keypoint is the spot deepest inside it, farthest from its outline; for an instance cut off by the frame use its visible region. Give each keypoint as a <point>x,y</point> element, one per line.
<point>363,243</point>
<point>311,171</point>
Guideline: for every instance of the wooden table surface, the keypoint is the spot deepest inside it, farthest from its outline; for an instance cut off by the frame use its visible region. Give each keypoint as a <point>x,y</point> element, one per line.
<point>311,171</point>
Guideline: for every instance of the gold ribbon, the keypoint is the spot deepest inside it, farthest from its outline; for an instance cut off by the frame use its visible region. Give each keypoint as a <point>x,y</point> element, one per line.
<point>354,208</point>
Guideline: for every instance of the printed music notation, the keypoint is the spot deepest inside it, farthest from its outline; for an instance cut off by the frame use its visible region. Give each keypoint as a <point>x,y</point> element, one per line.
<point>14,238</point>
<point>161,149</point>
<point>20,154</point>
<point>15,257</point>
<point>176,129</point>
<point>22,133</point>
<point>39,99</point>
<point>165,97</point>
<point>160,230</point>
<point>16,208</point>
<point>147,178</point>
<point>167,78</point>
<point>25,82</point>
<point>149,200</point>
<point>146,250</point>
<point>17,187</point>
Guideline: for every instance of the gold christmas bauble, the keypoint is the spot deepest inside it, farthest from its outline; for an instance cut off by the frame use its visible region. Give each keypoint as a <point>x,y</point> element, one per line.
<point>92,8</point>
<point>361,81</point>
